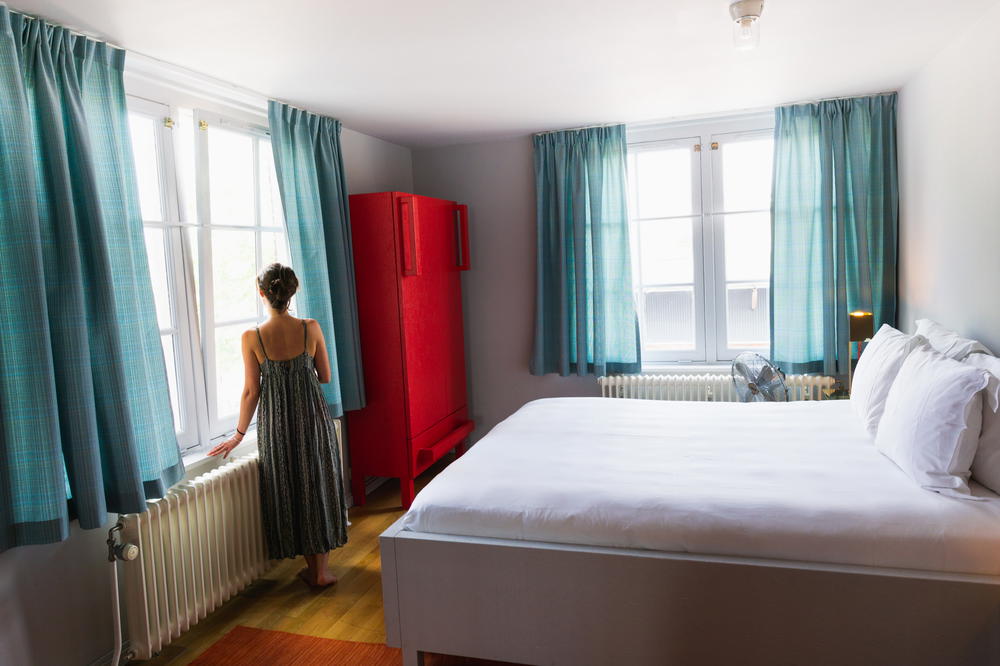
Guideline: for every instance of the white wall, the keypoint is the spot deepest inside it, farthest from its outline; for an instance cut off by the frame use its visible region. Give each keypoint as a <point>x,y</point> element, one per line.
<point>949,156</point>
<point>496,180</point>
<point>55,600</point>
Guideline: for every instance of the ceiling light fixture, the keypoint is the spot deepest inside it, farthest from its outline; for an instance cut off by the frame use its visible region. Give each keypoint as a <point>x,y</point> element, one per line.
<point>746,22</point>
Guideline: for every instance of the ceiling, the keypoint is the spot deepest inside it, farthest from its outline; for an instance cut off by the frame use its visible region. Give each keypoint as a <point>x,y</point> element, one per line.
<point>437,72</point>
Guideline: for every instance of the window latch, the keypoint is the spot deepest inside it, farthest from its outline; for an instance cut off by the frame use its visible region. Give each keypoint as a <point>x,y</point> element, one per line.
<point>168,122</point>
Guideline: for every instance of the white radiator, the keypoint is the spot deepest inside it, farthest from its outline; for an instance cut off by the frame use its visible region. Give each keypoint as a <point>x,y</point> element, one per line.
<point>702,387</point>
<point>198,546</point>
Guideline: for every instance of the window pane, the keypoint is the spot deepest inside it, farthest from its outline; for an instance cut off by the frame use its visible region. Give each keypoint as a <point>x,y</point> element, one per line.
<point>234,267</point>
<point>147,170</point>
<point>170,360</point>
<point>192,238</point>
<point>228,370</point>
<point>668,321</point>
<point>746,174</point>
<point>632,178</point>
<point>157,252</point>
<point>185,138</point>
<point>274,248</point>
<point>664,182</point>
<point>270,198</point>
<point>748,270</point>
<point>748,316</point>
<point>667,251</point>
<point>748,247</point>
<point>230,166</point>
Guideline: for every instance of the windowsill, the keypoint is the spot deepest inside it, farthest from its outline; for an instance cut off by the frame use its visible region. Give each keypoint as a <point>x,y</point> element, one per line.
<point>685,368</point>
<point>198,462</point>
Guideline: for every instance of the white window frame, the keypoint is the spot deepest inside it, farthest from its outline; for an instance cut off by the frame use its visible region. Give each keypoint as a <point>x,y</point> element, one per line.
<point>180,277</point>
<point>222,426</point>
<point>194,345</point>
<point>711,342</point>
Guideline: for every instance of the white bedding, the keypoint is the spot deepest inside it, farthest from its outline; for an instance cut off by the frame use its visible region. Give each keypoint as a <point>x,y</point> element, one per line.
<point>795,481</point>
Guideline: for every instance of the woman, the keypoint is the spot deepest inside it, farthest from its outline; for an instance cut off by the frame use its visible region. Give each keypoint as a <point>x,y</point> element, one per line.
<point>301,487</point>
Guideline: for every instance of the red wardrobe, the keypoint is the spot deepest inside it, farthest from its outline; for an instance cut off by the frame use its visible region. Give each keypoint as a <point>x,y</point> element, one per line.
<point>408,254</point>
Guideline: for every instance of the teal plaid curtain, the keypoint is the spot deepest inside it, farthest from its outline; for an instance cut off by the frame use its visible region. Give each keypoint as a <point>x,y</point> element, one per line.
<point>310,170</point>
<point>585,318</point>
<point>834,225</point>
<point>84,405</point>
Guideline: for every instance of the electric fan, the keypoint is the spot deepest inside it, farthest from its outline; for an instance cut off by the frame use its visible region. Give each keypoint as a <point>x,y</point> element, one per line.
<point>757,380</point>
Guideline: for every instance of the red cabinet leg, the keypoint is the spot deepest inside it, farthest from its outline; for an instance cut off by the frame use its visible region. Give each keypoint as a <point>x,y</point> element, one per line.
<point>459,449</point>
<point>358,489</point>
<point>406,492</point>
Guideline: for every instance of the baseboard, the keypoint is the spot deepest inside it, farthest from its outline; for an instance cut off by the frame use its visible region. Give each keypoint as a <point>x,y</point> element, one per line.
<point>108,656</point>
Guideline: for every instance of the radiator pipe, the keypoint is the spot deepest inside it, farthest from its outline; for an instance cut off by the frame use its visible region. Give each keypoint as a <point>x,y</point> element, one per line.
<point>125,552</point>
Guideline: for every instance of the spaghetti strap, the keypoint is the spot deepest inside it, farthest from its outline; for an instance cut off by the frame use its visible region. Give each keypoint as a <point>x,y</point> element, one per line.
<point>305,337</point>
<point>261,340</point>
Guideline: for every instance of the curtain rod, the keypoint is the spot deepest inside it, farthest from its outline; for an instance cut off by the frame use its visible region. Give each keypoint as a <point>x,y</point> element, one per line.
<point>718,114</point>
<point>163,63</point>
<point>58,24</point>
<point>833,99</point>
<point>576,129</point>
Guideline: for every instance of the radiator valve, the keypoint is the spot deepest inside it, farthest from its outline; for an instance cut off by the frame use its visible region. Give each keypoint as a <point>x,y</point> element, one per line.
<point>120,551</point>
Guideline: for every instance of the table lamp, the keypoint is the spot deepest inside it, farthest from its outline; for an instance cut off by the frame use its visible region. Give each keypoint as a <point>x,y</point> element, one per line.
<point>862,328</point>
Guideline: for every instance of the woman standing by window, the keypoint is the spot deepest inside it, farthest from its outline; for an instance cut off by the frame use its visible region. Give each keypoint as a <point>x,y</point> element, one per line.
<point>301,485</point>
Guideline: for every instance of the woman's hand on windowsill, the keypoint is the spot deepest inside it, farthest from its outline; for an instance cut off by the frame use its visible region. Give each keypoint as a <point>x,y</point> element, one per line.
<point>226,447</point>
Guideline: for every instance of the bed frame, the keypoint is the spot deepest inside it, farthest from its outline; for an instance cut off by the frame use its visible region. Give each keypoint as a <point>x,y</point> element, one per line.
<point>555,604</point>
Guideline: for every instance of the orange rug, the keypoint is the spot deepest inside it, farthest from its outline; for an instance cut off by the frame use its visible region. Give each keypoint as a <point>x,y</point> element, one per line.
<point>245,646</point>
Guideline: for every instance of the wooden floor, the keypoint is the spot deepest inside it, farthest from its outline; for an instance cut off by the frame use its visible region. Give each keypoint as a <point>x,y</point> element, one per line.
<point>350,610</point>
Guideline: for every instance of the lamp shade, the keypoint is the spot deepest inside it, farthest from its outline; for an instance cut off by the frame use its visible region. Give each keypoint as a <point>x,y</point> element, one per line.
<point>862,325</point>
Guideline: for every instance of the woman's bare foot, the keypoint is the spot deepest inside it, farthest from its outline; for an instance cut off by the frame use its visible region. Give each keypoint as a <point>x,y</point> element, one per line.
<point>325,579</point>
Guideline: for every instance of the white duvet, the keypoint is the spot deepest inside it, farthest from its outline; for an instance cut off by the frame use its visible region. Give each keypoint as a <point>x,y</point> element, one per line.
<point>796,481</point>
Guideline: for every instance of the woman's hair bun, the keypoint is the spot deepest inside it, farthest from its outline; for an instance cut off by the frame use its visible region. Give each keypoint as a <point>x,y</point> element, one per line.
<point>279,283</point>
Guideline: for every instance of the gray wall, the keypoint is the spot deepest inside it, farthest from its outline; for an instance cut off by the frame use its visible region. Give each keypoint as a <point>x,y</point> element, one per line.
<point>55,600</point>
<point>949,150</point>
<point>374,165</point>
<point>497,181</point>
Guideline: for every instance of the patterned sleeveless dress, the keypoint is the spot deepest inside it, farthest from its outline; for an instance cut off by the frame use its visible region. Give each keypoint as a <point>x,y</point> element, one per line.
<point>302,500</point>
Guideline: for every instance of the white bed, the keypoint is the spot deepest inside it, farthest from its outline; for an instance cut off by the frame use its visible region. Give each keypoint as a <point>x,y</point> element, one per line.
<point>794,481</point>
<point>579,526</point>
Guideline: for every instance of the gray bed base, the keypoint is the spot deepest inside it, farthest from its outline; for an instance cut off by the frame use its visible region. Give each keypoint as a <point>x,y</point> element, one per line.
<point>555,604</point>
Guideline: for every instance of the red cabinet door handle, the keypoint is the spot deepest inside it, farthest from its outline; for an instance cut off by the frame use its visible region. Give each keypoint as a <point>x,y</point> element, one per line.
<point>465,263</point>
<point>408,228</point>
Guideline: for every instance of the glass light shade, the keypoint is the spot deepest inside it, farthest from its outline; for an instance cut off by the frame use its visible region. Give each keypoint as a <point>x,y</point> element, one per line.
<point>746,33</point>
<point>862,325</point>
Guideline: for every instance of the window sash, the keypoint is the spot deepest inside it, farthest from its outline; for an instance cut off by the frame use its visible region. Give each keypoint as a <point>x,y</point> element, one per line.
<point>709,281</point>
<point>192,296</point>
<point>222,425</point>
<point>179,276</point>
<point>724,352</point>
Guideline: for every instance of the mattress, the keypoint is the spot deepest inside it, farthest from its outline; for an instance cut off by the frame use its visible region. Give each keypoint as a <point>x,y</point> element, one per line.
<point>795,481</point>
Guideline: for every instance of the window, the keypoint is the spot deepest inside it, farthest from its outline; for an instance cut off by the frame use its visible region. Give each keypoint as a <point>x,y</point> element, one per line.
<point>241,230</point>
<point>699,209</point>
<point>212,218</point>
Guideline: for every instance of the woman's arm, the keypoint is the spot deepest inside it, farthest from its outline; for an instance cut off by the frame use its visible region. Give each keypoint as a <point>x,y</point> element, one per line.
<point>249,399</point>
<point>321,360</point>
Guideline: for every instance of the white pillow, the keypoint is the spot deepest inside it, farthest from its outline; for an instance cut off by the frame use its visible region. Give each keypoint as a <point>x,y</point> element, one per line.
<point>947,341</point>
<point>877,368</point>
<point>986,465</point>
<point>932,420</point>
